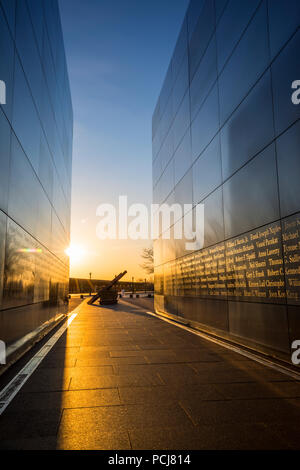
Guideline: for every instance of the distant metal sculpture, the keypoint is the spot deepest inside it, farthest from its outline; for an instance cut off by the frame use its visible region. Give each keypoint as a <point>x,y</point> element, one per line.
<point>107,295</point>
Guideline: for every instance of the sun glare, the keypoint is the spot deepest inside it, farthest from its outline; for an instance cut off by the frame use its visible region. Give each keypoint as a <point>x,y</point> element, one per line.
<point>75,253</point>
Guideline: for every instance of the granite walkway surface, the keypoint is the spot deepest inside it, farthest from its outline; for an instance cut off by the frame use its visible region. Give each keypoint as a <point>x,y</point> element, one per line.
<point>122,379</point>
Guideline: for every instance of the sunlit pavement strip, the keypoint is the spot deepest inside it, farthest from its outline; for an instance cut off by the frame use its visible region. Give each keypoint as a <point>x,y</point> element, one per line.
<point>264,361</point>
<point>15,385</point>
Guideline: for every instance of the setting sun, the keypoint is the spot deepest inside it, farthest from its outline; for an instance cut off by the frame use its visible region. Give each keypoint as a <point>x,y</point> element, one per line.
<point>76,253</point>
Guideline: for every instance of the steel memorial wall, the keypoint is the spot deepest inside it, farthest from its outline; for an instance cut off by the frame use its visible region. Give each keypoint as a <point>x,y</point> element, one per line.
<point>226,134</point>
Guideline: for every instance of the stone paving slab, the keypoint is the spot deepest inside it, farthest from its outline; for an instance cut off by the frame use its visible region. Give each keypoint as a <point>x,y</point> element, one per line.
<point>222,437</point>
<point>67,399</point>
<point>122,379</point>
<point>113,381</point>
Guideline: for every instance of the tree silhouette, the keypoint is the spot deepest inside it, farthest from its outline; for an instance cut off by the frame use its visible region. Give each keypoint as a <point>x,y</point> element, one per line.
<point>148,264</point>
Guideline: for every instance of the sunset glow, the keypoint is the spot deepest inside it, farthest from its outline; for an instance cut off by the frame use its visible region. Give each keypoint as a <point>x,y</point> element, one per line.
<point>76,253</point>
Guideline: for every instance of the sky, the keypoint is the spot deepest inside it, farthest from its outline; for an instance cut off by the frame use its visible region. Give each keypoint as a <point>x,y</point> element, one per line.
<point>117,52</point>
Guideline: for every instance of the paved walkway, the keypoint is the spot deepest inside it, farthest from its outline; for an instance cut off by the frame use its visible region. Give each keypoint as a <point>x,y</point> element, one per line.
<point>122,379</point>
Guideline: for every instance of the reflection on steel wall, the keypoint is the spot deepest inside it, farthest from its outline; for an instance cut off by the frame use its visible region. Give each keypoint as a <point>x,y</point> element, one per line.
<point>36,126</point>
<point>226,134</point>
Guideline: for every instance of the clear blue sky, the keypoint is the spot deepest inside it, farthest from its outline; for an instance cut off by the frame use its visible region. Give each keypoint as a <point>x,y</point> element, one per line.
<point>117,53</point>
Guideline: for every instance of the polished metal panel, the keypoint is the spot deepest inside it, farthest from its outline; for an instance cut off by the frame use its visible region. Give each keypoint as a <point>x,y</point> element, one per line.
<point>207,312</point>
<point>253,187</point>
<point>184,189</point>
<point>156,170</point>
<point>181,120</point>
<point>285,70</point>
<point>5,137</point>
<point>180,52</point>
<point>29,57</point>
<point>248,61</point>
<point>293,321</point>
<point>219,7</point>
<point>183,157</point>
<point>213,218</point>
<point>167,150</point>
<point>249,129</point>
<point>204,77</point>
<point>166,183</point>
<point>37,17</point>
<point>288,157</point>
<point>18,288</point>
<point>26,122</point>
<point>43,224</point>
<point>46,167</point>
<point>201,35</point>
<point>284,18</point>
<point>230,30</point>
<point>193,13</point>
<point>23,198</point>
<point>9,8</point>
<point>207,171</point>
<point>7,53</point>
<point>181,84</point>
<point>206,123</point>
<point>3,220</point>
<point>291,252</point>
<point>268,325</point>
